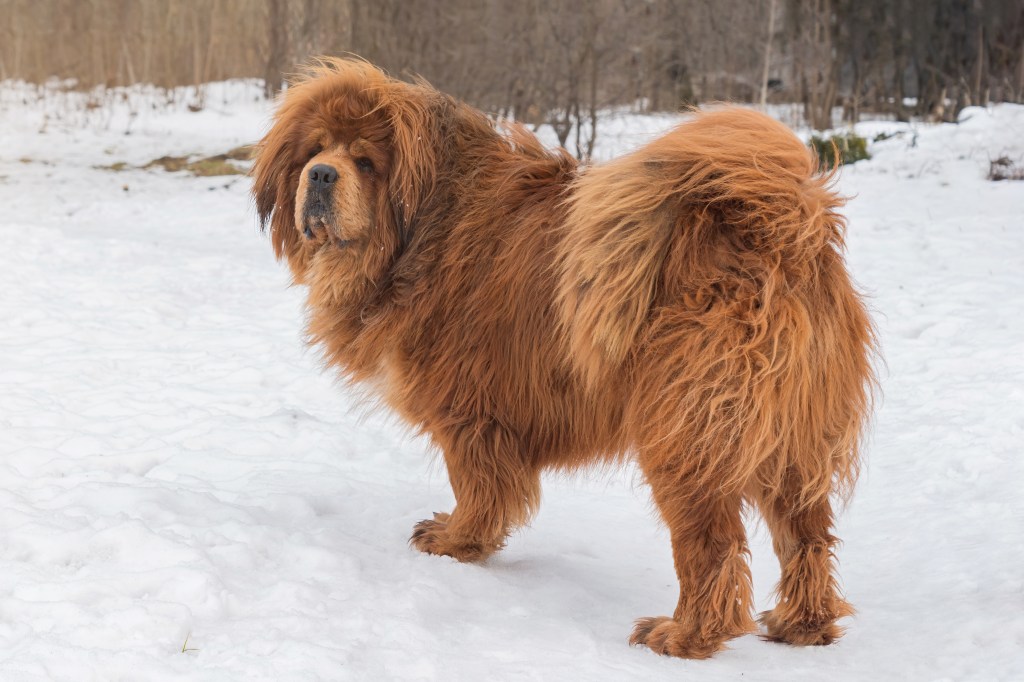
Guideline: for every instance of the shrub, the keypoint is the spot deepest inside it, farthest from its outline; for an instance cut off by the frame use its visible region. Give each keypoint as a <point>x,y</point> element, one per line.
<point>850,147</point>
<point>1004,168</point>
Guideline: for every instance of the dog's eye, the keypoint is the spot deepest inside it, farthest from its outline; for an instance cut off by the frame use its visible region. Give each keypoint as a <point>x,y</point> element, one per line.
<point>364,164</point>
<point>315,150</point>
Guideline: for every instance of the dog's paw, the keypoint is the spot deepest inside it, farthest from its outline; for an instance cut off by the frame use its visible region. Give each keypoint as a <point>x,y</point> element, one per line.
<point>800,632</point>
<point>669,637</point>
<point>431,536</point>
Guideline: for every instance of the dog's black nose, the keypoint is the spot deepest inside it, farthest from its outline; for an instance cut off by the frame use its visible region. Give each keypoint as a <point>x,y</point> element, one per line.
<point>322,176</point>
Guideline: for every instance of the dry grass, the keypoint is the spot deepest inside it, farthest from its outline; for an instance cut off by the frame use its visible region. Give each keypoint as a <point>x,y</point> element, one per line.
<point>207,166</point>
<point>1005,168</point>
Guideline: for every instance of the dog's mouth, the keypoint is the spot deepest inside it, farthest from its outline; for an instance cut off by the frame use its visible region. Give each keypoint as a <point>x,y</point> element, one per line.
<point>320,227</point>
<point>314,227</point>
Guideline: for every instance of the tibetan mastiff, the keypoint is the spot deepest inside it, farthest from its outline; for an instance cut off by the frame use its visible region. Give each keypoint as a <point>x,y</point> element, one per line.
<point>686,305</point>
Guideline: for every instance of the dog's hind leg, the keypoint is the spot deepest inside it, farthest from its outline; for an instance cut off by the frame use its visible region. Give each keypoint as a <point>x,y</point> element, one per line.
<point>809,598</point>
<point>822,398</point>
<point>496,490</point>
<point>710,551</point>
<point>698,430</point>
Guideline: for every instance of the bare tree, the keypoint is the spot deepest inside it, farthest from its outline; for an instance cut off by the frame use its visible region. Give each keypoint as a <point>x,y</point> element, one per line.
<point>554,61</point>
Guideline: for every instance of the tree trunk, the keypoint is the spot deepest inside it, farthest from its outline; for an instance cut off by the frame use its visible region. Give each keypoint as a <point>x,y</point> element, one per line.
<point>278,32</point>
<point>767,54</point>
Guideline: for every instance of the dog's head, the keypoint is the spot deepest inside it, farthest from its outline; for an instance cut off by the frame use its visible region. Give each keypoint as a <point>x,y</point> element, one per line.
<point>350,163</point>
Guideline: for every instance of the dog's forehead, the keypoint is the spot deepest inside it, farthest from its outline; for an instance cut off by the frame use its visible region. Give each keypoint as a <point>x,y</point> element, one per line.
<point>349,142</point>
<point>348,115</point>
<point>362,146</point>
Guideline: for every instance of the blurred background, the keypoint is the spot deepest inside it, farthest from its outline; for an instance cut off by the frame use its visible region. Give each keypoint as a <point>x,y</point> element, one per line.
<point>554,61</point>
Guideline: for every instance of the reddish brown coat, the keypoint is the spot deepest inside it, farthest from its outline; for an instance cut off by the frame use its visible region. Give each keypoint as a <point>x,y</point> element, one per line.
<point>686,305</point>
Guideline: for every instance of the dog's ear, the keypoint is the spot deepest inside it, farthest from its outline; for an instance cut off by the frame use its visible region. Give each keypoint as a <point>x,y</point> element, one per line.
<point>280,157</point>
<point>422,122</point>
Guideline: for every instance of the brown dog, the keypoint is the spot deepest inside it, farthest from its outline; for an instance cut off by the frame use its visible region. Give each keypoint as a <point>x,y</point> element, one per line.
<point>686,304</point>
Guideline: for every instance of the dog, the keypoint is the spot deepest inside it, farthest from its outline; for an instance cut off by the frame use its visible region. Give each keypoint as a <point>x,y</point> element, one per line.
<point>686,305</point>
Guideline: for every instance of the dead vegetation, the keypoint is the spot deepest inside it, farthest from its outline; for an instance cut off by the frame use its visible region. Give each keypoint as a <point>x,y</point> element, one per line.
<point>1005,168</point>
<point>232,162</point>
<point>552,61</point>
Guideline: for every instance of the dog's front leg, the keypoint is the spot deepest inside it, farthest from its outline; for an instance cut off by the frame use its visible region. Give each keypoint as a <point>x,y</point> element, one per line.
<point>496,489</point>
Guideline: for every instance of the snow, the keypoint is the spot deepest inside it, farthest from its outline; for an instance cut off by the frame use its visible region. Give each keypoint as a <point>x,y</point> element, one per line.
<point>177,473</point>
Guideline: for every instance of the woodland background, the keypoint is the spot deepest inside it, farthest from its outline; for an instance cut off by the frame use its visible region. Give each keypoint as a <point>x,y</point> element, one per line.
<point>553,61</point>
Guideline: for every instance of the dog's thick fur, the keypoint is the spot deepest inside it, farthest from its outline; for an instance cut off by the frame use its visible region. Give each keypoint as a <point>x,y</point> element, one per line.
<point>686,304</point>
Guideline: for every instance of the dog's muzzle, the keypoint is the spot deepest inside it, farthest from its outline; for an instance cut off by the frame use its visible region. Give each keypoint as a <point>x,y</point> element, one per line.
<point>317,211</point>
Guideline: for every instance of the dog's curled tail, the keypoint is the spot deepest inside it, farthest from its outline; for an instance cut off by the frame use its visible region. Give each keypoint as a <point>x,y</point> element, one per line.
<point>731,180</point>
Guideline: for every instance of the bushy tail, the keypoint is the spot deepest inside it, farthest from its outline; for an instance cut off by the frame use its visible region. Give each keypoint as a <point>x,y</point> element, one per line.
<point>714,254</point>
<point>731,170</point>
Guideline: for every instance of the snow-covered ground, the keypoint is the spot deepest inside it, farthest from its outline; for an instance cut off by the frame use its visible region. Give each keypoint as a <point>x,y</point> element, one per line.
<point>185,496</point>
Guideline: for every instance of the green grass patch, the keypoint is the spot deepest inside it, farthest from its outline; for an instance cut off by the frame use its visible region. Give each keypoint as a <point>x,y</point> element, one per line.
<point>840,149</point>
